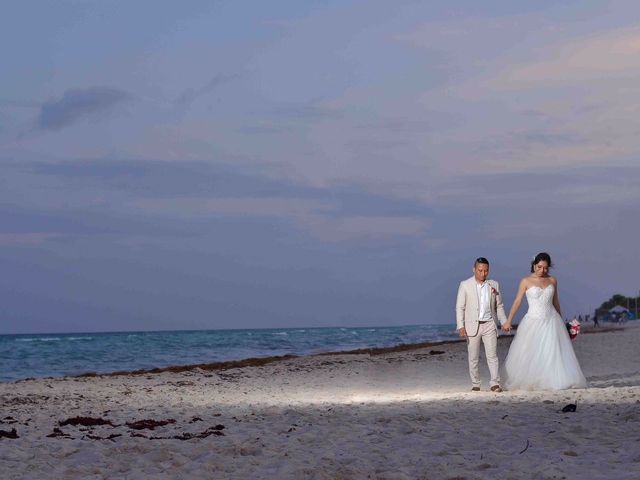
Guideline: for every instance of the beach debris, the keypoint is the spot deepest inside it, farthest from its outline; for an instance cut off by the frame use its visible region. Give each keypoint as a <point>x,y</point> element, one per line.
<point>30,398</point>
<point>195,419</point>
<point>11,434</point>
<point>525,448</point>
<point>149,424</point>
<point>571,407</point>
<point>436,352</point>
<point>8,420</point>
<point>58,433</point>
<point>85,422</point>
<point>570,453</point>
<point>216,430</point>
<point>110,437</point>
<point>249,362</point>
<point>183,383</point>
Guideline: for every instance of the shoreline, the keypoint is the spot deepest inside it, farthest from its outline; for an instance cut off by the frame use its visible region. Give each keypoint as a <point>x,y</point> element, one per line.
<point>262,361</point>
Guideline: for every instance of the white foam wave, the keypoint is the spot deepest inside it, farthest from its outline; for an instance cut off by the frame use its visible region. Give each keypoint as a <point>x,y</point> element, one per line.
<point>43,339</point>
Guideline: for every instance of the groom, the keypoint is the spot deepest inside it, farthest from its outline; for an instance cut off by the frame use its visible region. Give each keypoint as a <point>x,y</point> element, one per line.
<point>478,306</point>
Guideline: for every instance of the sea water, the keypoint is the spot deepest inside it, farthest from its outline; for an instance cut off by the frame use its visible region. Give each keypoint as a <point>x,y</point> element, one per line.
<point>54,355</point>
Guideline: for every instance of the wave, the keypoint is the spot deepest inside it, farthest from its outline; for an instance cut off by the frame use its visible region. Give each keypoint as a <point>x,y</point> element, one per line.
<point>51,339</point>
<point>43,339</point>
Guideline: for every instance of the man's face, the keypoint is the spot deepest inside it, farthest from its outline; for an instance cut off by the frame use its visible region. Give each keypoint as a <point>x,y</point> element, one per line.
<point>481,272</point>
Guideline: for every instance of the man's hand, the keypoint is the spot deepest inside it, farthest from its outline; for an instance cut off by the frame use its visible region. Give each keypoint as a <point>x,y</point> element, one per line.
<point>506,327</point>
<point>462,332</point>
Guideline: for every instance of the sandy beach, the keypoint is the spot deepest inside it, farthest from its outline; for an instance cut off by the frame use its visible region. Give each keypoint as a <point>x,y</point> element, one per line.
<point>396,415</point>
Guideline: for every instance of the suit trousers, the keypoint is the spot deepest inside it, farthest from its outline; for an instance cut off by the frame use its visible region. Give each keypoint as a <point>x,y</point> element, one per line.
<point>488,334</point>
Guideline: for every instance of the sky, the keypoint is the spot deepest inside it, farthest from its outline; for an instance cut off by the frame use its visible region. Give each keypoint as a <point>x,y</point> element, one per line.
<point>249,164</point>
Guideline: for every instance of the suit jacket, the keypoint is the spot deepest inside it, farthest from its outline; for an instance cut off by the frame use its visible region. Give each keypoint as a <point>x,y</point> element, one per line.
<point>468,305</point>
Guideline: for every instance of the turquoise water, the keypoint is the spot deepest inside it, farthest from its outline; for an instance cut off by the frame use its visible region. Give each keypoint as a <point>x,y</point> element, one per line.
<point>54,355</point>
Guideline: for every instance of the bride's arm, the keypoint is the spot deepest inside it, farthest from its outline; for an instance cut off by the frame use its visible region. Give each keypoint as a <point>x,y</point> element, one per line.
<point>516,304</point>
<point>556,302</point>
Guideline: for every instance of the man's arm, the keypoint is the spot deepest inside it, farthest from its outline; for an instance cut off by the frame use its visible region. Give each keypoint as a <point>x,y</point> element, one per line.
<point>502,317</point>
<point>461,303</point>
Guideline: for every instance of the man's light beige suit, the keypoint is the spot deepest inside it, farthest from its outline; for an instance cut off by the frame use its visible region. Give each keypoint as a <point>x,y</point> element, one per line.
<point>467,312</point>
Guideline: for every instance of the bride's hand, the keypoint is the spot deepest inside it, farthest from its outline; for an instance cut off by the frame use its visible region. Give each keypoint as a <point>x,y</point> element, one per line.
<point>506,327</point>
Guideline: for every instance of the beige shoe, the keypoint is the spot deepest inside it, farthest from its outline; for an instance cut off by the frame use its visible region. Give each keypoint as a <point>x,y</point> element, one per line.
<point>496,388</point>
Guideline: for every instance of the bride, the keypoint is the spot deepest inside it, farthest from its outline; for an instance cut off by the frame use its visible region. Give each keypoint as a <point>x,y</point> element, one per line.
<point>541,356</point>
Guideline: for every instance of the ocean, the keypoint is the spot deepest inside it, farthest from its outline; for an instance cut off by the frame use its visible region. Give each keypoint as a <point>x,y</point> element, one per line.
<point>55,355</point>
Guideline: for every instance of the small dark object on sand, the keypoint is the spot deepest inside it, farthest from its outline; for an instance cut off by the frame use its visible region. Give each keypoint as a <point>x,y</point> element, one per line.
<point>110,437</point>
<point>571,407</point>
<point>85,422</point>
<point>149,424</point>
<point>209,431</point>
<point>58,433</point>
<point>11,434</point>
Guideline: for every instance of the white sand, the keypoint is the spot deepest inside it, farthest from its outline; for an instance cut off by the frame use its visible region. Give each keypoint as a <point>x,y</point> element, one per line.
<point>406,415</point>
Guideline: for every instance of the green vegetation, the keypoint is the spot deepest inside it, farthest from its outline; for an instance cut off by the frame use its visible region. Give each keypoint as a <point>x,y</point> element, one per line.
<point>617,299</point>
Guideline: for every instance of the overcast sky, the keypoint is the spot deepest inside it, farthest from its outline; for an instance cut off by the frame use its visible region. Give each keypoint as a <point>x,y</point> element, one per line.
<point>241,164</point>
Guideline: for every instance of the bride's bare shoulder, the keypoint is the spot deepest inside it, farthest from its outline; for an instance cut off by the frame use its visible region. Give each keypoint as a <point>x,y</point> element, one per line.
<point>525,282</point>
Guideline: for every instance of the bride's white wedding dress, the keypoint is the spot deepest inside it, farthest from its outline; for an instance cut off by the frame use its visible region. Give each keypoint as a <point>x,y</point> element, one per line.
<point>541,356</point>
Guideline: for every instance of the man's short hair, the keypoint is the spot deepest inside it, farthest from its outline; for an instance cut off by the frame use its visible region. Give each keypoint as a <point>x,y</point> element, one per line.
<point>482,260</point>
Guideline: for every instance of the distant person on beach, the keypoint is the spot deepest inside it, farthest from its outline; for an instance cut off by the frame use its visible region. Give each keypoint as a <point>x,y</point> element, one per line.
<point>595,321</point>
<point>478,307</point>
<point>541,356</point>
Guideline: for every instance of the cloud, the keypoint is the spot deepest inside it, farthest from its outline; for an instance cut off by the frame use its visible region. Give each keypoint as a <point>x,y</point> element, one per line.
<point>192,94</point>
<point>577,189</point>
<point>309,111</point>
<point>160,179</point>
<point>199,195</point>
<point>27,239</point>
<point>365,227</point>
<point>19,103</point>
<point>605,56</point>
<point>325,220</point>
<point>149,179</point>
<point>263,129</point>
<point>244,207</point>
<point>531,91</point>
<point>76,104</point>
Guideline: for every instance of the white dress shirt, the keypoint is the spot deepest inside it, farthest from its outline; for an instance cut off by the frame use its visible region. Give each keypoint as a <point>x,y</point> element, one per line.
<point>484,313</point>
